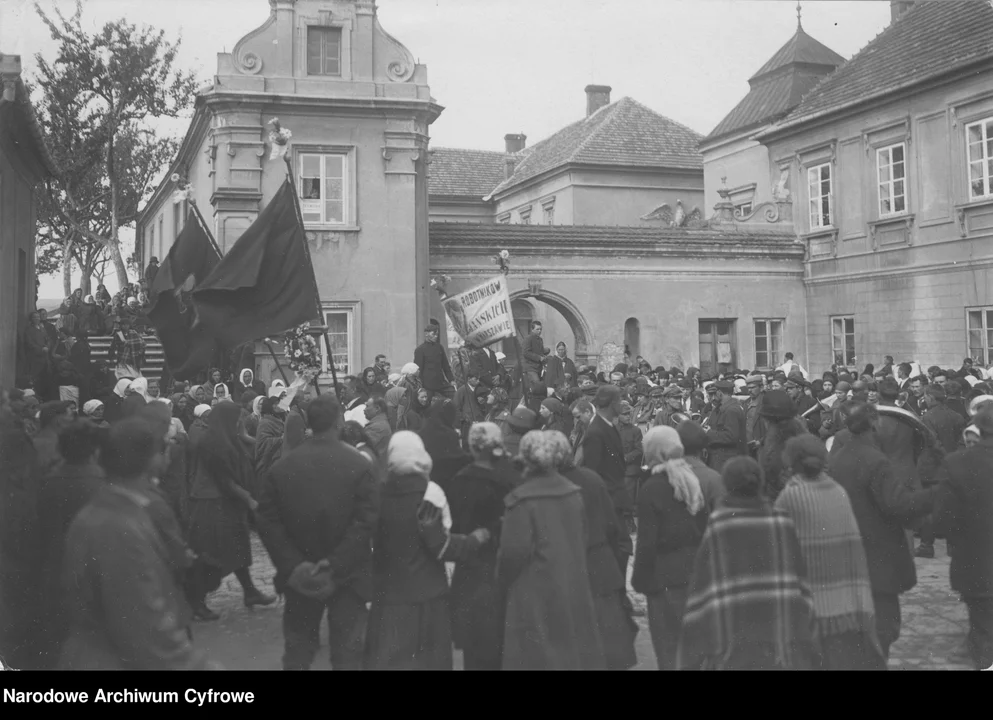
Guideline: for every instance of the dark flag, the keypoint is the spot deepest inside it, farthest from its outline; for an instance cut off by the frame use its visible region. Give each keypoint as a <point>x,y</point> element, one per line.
<point>188,347</point>
<point>265,284</point>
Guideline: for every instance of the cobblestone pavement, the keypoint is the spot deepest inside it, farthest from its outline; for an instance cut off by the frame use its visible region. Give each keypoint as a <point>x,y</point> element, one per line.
<point>932,636</point>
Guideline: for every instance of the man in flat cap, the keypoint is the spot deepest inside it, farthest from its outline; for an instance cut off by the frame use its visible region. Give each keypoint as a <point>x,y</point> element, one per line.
<point>672,402</point>
<point>754,426</point>
<point>726,426</point>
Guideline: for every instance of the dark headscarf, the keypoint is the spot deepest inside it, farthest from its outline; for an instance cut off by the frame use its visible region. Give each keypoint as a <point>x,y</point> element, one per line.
<point>438,433</point>
<point>220,447</point>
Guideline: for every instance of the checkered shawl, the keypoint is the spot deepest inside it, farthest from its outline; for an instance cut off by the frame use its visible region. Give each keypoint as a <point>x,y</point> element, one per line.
<point>747,588</point>
<point>837,570</point>
<point>131,350</point>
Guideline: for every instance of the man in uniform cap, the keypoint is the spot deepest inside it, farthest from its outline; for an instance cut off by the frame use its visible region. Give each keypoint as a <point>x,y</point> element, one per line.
<point>672,402</point>
<point>726,426</point>
<point>754,427</point>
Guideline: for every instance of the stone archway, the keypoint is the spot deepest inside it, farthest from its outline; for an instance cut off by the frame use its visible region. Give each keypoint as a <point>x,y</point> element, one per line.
<point>581,329</point>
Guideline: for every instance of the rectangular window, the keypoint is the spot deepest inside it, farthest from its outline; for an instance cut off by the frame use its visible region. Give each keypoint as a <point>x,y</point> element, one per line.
<point>979,137</point>
<point>819,194</point>
<point>324,188</point>
<point>891,170</point>
<point>504,219</point>
<point>980,334</point>
<point>742,209</point>
<point>768,343</point>
<point>341,334</point>
<point>550,215</point>
<point>323,51</point>
<point>843,340</point>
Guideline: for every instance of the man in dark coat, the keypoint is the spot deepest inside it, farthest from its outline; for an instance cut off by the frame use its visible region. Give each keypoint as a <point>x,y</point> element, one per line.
<point>963,508</point>
<point>560,369</point>
<point>316,518</point>
<point>884,506</point>
<point>727,431</point>
<point>947,426</point>
<point>152,270</point>
<point>436,371</point>
<point>603,453</point>
<point>483,362</point>
<point>535,353</point>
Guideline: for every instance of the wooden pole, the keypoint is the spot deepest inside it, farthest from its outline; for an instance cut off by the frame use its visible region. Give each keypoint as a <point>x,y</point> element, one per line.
<point>278,366</point>
<point>317,292</point>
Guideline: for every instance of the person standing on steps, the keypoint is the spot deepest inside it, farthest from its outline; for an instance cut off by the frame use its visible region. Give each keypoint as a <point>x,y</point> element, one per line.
<point>436,372</point>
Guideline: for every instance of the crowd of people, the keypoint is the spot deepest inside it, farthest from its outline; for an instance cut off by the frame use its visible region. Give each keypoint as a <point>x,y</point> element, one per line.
<point>768,519</point>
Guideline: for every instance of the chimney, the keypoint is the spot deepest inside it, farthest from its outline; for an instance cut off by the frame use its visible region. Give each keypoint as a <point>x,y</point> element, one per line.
<point>898,8</point>
<point>515,143</point>
<point>597,96</point>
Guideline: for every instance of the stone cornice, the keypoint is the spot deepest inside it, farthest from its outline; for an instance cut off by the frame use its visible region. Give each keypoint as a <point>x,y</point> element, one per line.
<point>428,110</point>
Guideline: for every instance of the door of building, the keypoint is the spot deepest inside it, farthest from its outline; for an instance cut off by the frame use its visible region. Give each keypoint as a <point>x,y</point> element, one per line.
<point>718,347</point>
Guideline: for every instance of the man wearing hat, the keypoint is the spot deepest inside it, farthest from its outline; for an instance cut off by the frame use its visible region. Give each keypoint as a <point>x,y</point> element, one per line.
<point>963,506</point>
<point>521,422</point>
<point>672,402</point>
<point>754,427</point>
<point>486,365</point>
<point>692,401</point>
<point>436,372</point>
<point>726,426</point>
<point>603,453</point>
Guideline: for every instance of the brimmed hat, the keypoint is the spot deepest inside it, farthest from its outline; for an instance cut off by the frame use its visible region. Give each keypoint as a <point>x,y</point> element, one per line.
<point>671,391</point>
<point>754,380</point>
<point>724,386</point>
<point>522,419</point>
<point>777,405</point>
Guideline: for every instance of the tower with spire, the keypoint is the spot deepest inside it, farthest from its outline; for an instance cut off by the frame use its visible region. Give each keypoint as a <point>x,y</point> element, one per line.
<point>774,90</point>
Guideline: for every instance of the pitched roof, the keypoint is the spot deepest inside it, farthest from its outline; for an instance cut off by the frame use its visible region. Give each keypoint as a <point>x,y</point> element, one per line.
<point>780,84</point>
<point>25,136</point>
<point>465,173</point>
<point>624,133</point>
<point>931,39</point>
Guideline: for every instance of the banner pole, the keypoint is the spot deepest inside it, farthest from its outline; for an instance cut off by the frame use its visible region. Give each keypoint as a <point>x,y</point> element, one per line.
<point>278,366</point>
<point>317,292</point>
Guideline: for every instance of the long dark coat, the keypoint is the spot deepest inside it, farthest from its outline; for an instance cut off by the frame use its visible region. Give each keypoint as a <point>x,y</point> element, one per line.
<point>962,512</point>
<point>884,506</point>
<point>476,501</point>
<point>551,619</point>
<point>727,434</point>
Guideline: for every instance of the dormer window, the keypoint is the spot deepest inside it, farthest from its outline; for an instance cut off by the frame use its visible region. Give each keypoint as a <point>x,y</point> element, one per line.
<point>324,51</point>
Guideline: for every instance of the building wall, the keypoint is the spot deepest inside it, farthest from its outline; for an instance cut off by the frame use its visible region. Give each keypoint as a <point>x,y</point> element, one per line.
<point>17,288</point>
<point>908,279</point>
<point>451,210</point>
<point>742,162</point>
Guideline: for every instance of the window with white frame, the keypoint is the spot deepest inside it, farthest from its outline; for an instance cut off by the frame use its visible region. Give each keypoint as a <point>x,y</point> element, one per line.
<point>324,188</point>
<point>843,340</point>
<point>891,172</point>
<point>340,322</point>
<point>979,137</point>
<point>768,343</point>
<point>549,213</point>
<point>819,195</point>
<point>980,324</point>
<point>742,209</point>
<point>324,51</point>
<point>525,215</point>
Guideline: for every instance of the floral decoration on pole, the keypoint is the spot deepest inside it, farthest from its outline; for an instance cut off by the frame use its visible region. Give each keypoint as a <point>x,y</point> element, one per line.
<point>439,283</point>
<point>303,352</point>
<point>184,190</point>
<point>279,138</point>
<point>502,259</point>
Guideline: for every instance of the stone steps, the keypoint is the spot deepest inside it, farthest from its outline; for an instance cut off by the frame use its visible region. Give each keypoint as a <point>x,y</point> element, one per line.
<point>154,354</point>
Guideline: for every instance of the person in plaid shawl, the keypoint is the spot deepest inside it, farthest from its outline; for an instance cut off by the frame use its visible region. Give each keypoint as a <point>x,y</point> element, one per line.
<point>127,349</point>
<point>748,606</point>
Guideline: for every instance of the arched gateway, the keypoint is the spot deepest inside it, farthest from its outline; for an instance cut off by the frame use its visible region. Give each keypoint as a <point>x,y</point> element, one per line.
<point>581,329</point>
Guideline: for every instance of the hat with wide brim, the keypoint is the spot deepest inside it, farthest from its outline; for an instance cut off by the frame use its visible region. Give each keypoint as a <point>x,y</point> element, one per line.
<point>522,419</point>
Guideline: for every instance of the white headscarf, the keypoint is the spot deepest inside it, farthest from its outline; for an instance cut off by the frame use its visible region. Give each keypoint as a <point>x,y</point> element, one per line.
<point>257,406</point>
<point>199,410</point>
<point>409,369</point>
<point>91,406</point>
<point>121,389</point>
<point>406,455</point>
<point>664,453</point>
<point>139,386</point>
<point>977,403</point>
<point>241,377</point>
<point>221,391</point>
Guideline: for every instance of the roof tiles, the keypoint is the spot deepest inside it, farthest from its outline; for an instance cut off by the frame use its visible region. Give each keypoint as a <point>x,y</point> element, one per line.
<point>455,172</point>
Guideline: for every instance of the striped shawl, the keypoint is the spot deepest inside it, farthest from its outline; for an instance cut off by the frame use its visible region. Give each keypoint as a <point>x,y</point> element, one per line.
<point>837,570</point>
<point>747,589</point>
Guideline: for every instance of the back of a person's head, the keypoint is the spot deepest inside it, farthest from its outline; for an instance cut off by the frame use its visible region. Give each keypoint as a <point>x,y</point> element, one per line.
<point>583,406</point>
<point>606,395</point>
<point>78,441</point>
<point>905,368</point>
<point>742,476</point>
<point>888,389</point>
<point>860,418</point>
<point>953,388</point>
<point>128,449</point>
<point>806,455</point>
<point>353,434</point>
<point>693,437</point>
<point>323,414</point>
<point>50,411</point>
<point>936,392</point>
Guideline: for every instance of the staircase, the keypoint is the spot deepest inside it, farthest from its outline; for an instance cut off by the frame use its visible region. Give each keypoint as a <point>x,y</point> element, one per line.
<point>154,355</point>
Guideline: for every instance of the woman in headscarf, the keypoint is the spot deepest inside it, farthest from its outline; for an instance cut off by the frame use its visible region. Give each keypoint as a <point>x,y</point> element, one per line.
<point>136,398</point>
<point>394,397</point>
<point>415,414</point>
<point>672,517</point>
<point>221,393</point>
<point>182,410</point>
<point>748,606</point>
<point>198,395</point>
<point>269,436</point>
<point>94,410</point>
<point>442,442</point>
<point>498,408</point>
<point>551,620</point>
<point>836,567</point>
<point>369,385</point>
<point>213,380</point>
<point>219,512</point>
<point>252,421</point>
<point>477,495</point>
<point>114,406</point>
<point>201,414</point>
<point>607,584</point>
<point>409,622</point>
<point>555,416</point>
<point>246,382</point>
<point>409,403</point>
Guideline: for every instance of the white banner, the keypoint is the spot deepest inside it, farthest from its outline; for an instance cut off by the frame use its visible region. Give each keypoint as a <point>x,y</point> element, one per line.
<point>482,315</point>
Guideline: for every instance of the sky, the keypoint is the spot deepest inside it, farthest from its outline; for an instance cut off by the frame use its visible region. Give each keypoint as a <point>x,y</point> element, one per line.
<point>516,66</point>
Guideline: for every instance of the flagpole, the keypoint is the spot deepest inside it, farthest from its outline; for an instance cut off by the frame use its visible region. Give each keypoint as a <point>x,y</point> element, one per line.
<point>317,292</point>
<point>278,366</point>
<point>206,230</point>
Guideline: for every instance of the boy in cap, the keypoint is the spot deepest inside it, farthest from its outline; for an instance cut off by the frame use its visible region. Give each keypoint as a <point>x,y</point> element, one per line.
<point>726,426</point>
<point>436,372</point>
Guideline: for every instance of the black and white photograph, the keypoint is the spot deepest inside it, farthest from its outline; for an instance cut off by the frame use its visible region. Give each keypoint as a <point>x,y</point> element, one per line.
<point>493,335</point>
